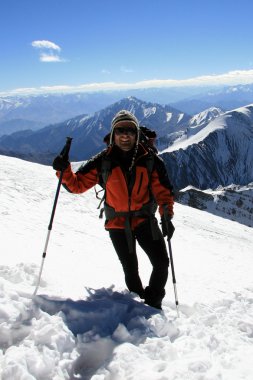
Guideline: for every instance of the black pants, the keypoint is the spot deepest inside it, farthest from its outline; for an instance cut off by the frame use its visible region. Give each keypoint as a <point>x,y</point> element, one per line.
<point>155,250</point>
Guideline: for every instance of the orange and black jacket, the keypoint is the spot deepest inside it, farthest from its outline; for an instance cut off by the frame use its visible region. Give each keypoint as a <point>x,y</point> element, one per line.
<point>125,192</point>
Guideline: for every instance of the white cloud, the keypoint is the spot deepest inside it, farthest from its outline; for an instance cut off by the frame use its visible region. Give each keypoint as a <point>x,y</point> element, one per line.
<point>44,44</point>
<point>50,58</point>
<point>49,51</point>
<point>230,78</point>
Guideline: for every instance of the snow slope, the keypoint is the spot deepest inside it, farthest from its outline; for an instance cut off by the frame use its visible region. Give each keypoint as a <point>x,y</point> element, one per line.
<point>84,324</point>
<point>230,121</point>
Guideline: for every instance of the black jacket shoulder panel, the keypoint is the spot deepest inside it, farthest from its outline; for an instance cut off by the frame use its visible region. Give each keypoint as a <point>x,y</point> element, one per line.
<point>93,163</point>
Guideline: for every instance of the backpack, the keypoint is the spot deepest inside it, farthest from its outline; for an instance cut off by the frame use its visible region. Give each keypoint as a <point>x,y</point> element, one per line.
<point>147,138</point>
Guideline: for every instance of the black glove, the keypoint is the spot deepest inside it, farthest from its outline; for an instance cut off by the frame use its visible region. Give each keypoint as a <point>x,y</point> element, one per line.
<point>61,163</point>
<point>167,227</point>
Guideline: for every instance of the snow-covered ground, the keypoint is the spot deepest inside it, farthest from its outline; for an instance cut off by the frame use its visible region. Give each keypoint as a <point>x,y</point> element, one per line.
<point>83,324</point>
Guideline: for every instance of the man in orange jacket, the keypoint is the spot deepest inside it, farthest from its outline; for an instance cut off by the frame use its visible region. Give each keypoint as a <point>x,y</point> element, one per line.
<point>136,182</point>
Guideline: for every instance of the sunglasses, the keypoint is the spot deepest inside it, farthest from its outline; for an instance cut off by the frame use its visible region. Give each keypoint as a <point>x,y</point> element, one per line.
<point>130,131</point>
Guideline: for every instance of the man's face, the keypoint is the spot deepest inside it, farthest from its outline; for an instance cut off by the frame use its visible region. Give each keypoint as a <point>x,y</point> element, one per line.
<point>125,135</point>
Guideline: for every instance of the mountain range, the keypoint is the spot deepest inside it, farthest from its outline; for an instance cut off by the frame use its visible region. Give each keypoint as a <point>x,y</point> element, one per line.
<point>88,131</point>
<point>37,111</point>
<point>208,150</point>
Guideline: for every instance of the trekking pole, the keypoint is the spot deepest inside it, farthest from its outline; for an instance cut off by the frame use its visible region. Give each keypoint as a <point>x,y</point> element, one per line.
<point>63,153</point>
<point>166,216</point>
<point>173,276</point>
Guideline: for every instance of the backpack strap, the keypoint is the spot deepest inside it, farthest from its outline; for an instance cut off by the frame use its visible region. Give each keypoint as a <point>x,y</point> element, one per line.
<point>106,166</point>
<point>150,164</point>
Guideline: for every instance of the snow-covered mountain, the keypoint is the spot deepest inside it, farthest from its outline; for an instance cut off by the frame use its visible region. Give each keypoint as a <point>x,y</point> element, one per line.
<point>83,324</point>
<point>88,131</point>
<point>232,202</point>
<point>189,129</point>
<point>205,117</point>
<point>219,154</point>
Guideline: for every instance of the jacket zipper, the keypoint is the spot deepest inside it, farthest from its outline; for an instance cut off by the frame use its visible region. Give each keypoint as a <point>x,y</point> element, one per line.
<point>129,196</point>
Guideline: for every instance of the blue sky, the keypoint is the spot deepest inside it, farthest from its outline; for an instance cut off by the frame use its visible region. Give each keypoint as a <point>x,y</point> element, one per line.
<point>71,45</point>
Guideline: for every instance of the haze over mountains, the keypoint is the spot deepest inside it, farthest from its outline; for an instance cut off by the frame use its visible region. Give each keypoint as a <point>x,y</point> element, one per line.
<point>227,98</point>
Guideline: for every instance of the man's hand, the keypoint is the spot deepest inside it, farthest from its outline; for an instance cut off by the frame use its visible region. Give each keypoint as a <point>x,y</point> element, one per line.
<point>167,227</point>
<point>61,163</point>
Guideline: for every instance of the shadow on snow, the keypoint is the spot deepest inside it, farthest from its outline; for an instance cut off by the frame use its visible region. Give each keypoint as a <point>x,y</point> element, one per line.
<point>101,312</point>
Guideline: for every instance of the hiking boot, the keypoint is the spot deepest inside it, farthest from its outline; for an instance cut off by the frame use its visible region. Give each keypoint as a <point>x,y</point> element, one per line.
<point>153,297</point>
<point>139,292</point>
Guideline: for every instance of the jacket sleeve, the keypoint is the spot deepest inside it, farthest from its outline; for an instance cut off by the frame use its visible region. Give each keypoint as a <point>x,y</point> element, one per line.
<point>81,181</point>
<point>161,187</point>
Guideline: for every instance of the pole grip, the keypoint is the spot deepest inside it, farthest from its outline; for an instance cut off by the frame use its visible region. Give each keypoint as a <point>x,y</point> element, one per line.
<point>166,217</point>
<point>66,148</point>
<point>65,151</point>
